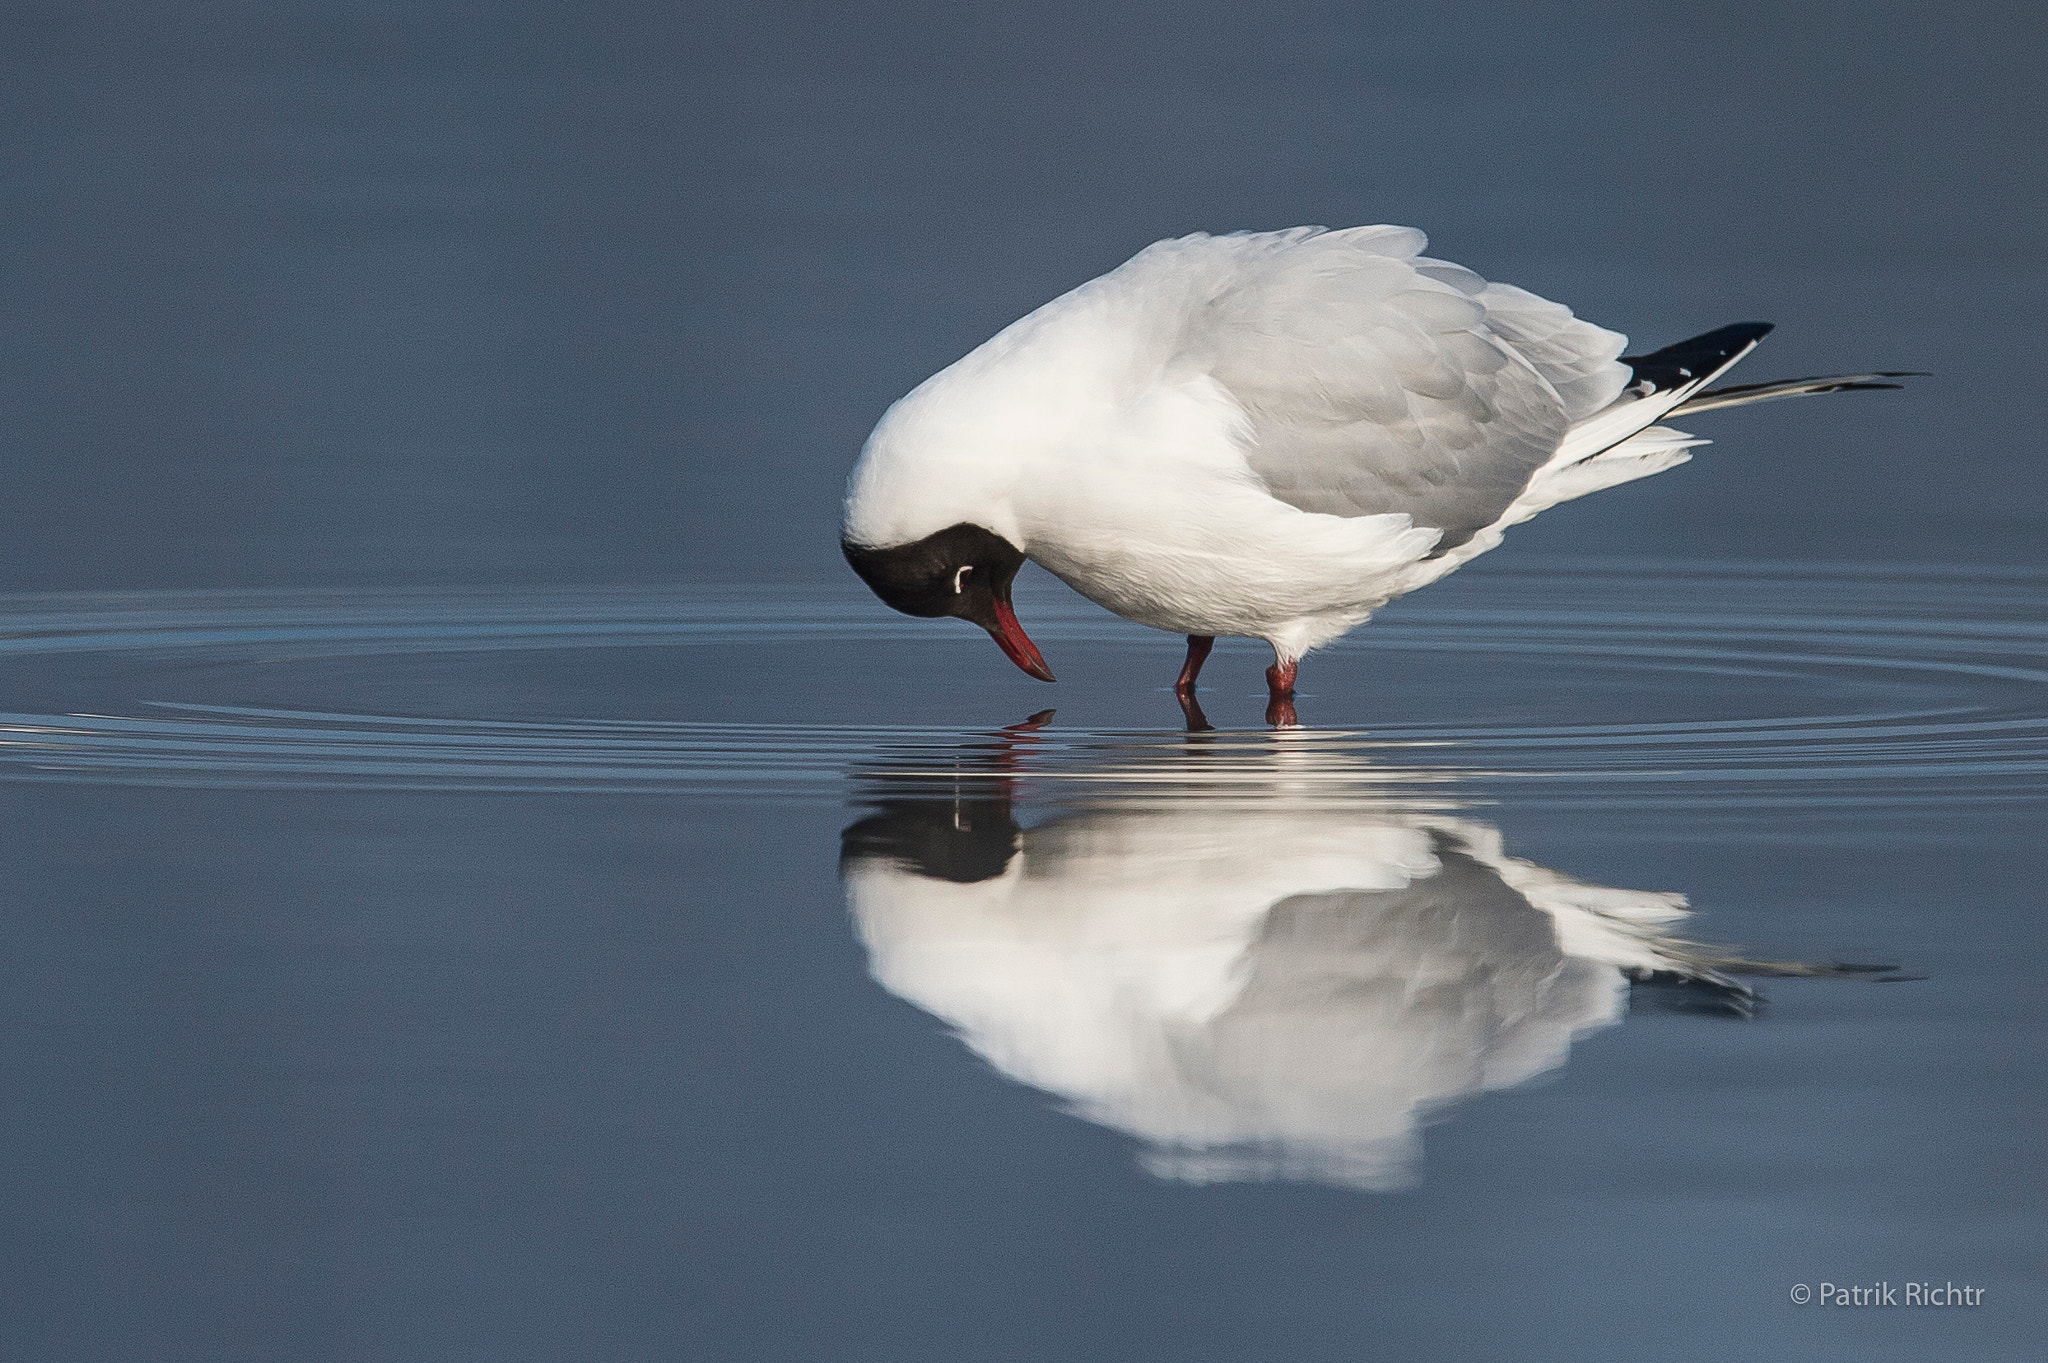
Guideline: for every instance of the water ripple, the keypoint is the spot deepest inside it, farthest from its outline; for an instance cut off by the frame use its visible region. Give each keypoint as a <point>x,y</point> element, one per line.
<point>1963,657</point>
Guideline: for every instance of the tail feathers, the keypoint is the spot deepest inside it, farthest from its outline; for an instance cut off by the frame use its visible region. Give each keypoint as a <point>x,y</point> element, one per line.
<point>1742,394</point>
<point>1646,452</point>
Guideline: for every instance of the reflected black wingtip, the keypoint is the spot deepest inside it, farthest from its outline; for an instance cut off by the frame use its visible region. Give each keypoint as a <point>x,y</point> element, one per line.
<point>1699,995</point>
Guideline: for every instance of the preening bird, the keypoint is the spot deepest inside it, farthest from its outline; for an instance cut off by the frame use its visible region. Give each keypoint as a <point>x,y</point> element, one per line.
<point>1286,992</point>
<point>1268,435</point>
<point>1250,958</point>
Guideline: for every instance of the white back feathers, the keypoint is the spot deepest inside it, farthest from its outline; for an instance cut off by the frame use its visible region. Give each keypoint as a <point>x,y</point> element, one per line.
<point>1357,378</point>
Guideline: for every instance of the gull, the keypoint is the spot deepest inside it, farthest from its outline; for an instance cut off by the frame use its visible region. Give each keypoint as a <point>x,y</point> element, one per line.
<point>1256,960</point>
<point>1276,993</point>
<point>1266,435</point>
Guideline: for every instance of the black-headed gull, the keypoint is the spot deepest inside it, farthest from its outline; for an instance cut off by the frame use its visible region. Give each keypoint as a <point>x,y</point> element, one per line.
<point>1267,435</point>
<point>1258,966</point>
<point>1275,993</point>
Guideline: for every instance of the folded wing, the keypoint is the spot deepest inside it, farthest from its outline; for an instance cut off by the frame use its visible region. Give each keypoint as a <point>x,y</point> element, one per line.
<point>1375,380</point>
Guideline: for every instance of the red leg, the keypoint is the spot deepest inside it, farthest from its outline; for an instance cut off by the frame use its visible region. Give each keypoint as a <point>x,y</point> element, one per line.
<point>1190,709</point>
<point>1198,653</point>
<point>1184,688</point>
<point>1280,694</point>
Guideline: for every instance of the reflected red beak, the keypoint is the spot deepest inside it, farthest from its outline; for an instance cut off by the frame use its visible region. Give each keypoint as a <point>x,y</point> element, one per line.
<point>1017,644</point>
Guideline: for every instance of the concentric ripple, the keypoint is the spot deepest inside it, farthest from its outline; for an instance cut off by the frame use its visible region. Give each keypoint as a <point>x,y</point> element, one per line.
<point>1948,672</point>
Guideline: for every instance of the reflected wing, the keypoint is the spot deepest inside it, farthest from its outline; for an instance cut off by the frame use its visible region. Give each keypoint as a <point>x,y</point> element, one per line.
<point>1375,380</point>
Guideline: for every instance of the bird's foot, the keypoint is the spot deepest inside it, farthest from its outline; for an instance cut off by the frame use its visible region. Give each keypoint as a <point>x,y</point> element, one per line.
<point>1280,695</point>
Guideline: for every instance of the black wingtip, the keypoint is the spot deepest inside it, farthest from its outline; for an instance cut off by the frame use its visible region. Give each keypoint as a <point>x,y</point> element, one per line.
<point>1698,357</point>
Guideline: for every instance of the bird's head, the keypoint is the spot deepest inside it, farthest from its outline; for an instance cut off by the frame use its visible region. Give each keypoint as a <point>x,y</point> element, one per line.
<point>963,571</point>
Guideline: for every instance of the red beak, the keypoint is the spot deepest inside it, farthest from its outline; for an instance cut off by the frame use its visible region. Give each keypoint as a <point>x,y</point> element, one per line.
<point>1010,636</point>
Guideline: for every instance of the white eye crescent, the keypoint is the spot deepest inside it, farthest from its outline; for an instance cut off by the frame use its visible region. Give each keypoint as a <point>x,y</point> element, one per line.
<point>961,577</point>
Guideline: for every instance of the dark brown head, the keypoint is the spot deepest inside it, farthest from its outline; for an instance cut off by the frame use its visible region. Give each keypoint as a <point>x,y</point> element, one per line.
<point>963,571</point>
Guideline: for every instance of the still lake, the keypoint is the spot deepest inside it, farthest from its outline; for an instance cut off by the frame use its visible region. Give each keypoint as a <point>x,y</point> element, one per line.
<point>741,972</point>
<point>585,965</point>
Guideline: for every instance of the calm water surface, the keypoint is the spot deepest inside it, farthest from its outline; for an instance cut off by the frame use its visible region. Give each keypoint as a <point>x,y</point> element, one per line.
<point>740,972</point>
<point>559,970</point>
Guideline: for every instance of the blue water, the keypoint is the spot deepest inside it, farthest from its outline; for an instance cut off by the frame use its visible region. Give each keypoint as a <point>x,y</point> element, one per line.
<point>557,973</point>
<point>483,881</point>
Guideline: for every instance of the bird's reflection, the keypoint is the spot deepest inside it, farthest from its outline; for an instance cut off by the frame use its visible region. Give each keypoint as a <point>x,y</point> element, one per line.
<point>1253,988</point>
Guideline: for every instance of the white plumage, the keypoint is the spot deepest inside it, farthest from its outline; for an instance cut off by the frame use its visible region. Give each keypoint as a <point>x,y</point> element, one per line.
<point>1278,993</point>
<point>1269,434</point>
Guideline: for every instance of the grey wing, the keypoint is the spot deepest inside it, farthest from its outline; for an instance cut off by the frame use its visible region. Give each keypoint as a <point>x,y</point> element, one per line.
<point>1374,380</point>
